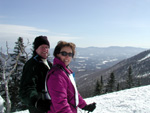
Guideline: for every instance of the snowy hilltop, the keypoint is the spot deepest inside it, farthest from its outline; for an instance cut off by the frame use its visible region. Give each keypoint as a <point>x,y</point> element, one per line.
<point>135,100</point>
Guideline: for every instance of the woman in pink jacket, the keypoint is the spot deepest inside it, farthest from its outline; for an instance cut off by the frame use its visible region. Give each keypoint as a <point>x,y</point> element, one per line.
<point>61,84</point>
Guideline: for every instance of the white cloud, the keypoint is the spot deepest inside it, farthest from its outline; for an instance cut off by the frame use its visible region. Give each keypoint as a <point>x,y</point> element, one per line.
<point>11,33</point>
<point>16,30</point>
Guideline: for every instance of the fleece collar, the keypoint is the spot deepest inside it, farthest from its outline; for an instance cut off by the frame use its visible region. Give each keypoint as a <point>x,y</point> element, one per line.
<point>57,61</point>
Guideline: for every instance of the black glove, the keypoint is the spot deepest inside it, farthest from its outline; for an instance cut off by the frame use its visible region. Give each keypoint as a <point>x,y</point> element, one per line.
<point>90,107</point>
<point>43,105</point>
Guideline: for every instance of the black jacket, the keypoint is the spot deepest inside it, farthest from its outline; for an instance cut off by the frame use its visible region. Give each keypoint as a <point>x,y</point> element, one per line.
<point>33,80</point>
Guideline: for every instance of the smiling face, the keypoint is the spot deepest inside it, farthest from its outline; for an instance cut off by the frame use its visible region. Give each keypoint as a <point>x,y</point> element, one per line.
<point>65,58</point>
<point>43,51</point>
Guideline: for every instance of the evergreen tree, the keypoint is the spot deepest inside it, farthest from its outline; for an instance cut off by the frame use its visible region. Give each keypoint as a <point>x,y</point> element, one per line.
<point>16,76</point>
<point>139,83</point>
<point>111,83</point>
<point>118,87</point>
<point>10,82</point>
<point>19,48</point>
<point>102,85</point>
<point>11,66</point>
<point>129,78</point>
<point>99,87</point>
<point>1,70</point>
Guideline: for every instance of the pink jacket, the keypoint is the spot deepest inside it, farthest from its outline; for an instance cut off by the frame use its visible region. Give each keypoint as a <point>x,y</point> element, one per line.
<point>61,90</point>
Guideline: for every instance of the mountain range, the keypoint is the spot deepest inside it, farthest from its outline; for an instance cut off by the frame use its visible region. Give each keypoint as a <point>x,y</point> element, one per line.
<point>137,59</point>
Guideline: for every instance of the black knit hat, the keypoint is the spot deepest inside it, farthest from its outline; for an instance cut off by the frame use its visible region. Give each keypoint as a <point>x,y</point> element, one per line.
<point>39,41</point>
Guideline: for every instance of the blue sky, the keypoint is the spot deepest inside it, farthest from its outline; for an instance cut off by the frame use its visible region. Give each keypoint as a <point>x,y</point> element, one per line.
<point>99,23</point>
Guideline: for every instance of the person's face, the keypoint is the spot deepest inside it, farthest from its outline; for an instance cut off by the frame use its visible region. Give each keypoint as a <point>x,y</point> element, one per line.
<point>43,51</point>
<point>65,55</point>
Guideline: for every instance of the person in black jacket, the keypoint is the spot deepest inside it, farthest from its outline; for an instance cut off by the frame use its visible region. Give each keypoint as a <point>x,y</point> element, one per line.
<point>32,86</point>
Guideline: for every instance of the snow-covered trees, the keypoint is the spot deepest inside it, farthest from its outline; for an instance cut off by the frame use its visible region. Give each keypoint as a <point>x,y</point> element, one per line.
<point>16,76</point>
<point>10,71</point>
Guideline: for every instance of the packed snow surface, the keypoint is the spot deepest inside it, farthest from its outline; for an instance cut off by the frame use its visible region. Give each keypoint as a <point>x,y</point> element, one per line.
<point>135,100</point>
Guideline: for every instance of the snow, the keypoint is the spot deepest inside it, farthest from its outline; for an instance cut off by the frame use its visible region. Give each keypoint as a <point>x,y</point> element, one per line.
<point>25,111</point>
<point>108,61</point>
<point>135,100</point>
<point>1,105</point>
<point>144,58</point>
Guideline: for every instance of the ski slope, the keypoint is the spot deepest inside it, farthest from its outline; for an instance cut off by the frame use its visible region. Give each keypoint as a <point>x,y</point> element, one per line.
<point>135,100</point>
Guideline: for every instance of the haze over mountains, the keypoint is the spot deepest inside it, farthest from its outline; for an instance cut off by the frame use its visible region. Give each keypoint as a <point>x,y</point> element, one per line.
<point>97,58</point>
<point>93,58</point>
<point>116,60</point>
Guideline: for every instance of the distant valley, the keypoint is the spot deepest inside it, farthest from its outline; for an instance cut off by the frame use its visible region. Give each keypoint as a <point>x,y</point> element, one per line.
<point>97,58</point>
<point>114,59</point>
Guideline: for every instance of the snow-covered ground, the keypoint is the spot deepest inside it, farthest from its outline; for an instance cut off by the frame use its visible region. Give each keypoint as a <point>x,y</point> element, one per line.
<point>1,105</point>
<point>135,100</point>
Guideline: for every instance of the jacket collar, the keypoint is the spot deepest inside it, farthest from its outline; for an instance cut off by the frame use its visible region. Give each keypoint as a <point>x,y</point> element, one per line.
<point>57,61</point>
<point>38,58</point>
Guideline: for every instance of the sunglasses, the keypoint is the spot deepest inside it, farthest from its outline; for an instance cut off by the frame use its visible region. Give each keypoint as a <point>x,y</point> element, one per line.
<point>63,53</point>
